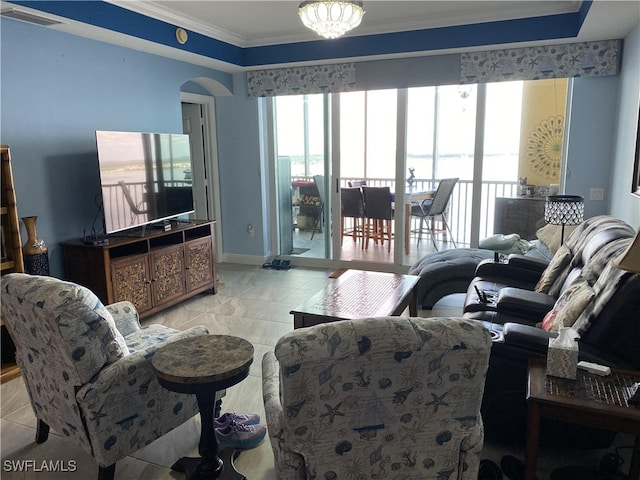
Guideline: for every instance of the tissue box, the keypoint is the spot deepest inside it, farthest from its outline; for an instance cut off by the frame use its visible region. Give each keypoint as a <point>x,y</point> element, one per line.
<point>562,362</point>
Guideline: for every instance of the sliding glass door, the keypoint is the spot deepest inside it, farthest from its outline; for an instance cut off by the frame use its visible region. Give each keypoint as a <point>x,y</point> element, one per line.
<point>441,126</point>
<point>302,168</point>
<point>487,136</point>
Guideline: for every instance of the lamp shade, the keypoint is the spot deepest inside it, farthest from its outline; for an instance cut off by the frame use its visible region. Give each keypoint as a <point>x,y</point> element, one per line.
<point>564,210</point>
<point>331,19</point>
<point>630,258</point>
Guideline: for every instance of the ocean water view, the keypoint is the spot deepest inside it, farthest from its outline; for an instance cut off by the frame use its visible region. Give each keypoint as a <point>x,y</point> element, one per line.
<point>496,168</point>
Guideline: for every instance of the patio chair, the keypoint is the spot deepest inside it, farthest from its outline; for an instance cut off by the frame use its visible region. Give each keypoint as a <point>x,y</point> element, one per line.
<point>357,183</point>
<point>378,212</point>
<point>136,208</point>
<point>351,207</point>
<point>319,181</point>
<point>437,206</point>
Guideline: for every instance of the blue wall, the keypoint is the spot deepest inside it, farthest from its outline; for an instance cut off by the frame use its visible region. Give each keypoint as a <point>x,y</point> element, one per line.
<point>602,137</point>
<point>56,90</point>
<point>591,134</point>
<point>623,204</point>
<point>237,120</point>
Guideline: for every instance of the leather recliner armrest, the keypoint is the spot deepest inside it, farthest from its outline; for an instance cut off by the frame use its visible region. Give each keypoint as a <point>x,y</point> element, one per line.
<point>529,337</point>
<point>524,303</point>
<point>502,271</point>
<point>530,263</point>
<point>534,341</point>
<point>518,344</point>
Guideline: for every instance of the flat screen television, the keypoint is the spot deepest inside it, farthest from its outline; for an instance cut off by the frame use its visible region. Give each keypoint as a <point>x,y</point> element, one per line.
<point>145,178</point>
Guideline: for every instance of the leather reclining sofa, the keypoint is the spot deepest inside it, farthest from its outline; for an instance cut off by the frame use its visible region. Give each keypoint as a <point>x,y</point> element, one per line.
<point>524,302</point>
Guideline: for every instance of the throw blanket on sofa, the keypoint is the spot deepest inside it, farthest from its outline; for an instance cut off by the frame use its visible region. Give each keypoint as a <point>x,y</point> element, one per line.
<point>605,279</point>
<point>581,239</point>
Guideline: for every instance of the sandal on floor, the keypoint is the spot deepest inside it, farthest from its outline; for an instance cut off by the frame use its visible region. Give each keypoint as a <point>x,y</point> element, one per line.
<point>275,263</point>
<point>284,265</point>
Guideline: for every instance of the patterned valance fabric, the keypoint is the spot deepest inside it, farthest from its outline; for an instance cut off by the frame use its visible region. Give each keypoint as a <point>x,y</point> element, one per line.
<point>587,59</point>
<point>302,80</point>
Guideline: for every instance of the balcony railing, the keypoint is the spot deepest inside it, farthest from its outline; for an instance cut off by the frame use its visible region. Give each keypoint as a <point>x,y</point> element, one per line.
<point>459,208</point>
<point>461,202</point>
<point>126,205</point>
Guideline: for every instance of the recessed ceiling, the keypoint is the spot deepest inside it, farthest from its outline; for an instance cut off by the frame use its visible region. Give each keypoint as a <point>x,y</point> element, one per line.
<point>234,35</point>
<point>255,23</point>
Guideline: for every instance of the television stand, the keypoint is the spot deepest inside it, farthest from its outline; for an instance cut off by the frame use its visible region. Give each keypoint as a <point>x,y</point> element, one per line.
<point>153,271</point>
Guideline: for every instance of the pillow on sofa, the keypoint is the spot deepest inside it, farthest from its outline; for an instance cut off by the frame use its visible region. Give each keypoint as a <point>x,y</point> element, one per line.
<point>550,235</point>
<point>559,261</point>
<point>506,244</point>
<point>568,307</point>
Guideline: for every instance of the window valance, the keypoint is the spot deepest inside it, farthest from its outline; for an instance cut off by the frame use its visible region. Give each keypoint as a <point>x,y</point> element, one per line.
<point>302,80</point>
<point>585,59</point>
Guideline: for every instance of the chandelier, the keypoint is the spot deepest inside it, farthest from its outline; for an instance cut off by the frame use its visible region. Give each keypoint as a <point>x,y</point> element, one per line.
<point>331,19</point>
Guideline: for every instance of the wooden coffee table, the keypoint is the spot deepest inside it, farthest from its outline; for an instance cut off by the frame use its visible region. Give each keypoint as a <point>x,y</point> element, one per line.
<point>360,294</point>
<point>204,365</point>
<point>591,400</point>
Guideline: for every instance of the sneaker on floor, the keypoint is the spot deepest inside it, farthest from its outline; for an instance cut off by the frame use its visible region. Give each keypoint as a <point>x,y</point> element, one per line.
<point>240,436</point>
<point>240,418</point>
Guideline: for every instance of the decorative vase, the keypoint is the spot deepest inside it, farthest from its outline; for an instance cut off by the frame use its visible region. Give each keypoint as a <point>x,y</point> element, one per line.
<point>34,251</point>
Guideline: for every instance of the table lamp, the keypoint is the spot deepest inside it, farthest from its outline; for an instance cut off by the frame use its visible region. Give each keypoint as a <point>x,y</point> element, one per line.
<point>564,210</point>
<point>630,259</point>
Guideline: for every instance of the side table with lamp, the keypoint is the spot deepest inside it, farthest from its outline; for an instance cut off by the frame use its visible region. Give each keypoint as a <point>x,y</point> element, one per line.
<point>610,402</point>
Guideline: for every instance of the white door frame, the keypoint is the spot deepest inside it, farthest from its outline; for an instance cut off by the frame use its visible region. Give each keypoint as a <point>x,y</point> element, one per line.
<point>211,157</point>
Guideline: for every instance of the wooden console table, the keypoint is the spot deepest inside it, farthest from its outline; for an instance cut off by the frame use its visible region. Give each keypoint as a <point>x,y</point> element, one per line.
<point>360,294</point>
<point>591,400</point>
<point>153,271</point>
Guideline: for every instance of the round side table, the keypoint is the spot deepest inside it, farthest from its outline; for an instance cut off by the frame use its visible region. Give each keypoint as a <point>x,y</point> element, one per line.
<point>204,365</point>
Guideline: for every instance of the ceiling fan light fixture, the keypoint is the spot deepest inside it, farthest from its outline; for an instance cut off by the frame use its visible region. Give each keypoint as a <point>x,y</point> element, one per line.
<point>331,19</point>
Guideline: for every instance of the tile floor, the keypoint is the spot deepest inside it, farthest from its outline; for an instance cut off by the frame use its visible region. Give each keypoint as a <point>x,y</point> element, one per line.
<point>253,303</point>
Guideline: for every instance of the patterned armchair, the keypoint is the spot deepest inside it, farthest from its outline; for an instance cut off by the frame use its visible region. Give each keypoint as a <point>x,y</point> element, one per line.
<point>87,368</point>
<point>378,398</point>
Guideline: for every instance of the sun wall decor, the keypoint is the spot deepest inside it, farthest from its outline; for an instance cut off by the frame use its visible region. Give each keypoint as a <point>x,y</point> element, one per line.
<point>544,147</point>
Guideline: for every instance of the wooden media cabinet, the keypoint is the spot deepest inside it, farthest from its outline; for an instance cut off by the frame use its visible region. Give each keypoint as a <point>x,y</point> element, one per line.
<point>153,271</point>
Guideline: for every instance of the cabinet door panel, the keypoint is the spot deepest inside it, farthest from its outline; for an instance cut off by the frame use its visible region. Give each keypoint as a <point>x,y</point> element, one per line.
<point>199,262</point>
<point>167,272</point>
<point>131,281</point>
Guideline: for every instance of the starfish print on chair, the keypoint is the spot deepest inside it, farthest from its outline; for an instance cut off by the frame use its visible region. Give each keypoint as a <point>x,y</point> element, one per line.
<point>332,412</point>
<point>437,401</point>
